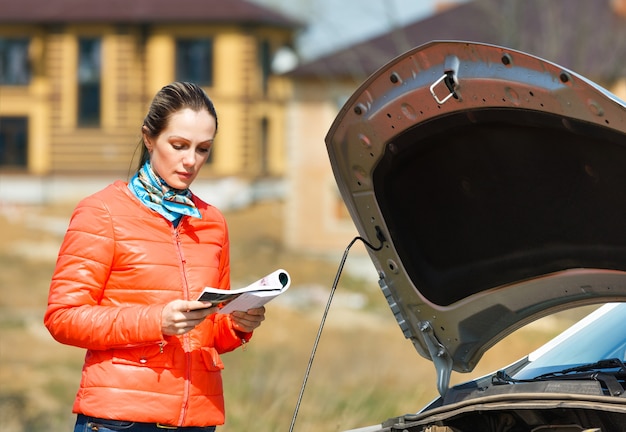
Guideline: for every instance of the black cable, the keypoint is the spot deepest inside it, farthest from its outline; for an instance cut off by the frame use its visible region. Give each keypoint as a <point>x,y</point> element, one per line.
<point>330,298</point>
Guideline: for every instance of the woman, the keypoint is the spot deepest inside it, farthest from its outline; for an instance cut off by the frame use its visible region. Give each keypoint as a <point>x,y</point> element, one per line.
<point>135,257</point>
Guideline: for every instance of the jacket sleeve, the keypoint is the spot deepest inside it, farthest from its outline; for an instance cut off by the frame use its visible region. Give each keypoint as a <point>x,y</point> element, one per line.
<point>74,315</point>
<point>224,337</point>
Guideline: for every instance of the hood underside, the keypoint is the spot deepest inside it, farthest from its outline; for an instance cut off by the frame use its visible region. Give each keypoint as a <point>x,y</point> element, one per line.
<point>496,182</point>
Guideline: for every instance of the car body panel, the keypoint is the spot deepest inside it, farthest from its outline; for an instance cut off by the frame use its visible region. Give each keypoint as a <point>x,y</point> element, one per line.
<point>564,402</point>
<point>494,182</point>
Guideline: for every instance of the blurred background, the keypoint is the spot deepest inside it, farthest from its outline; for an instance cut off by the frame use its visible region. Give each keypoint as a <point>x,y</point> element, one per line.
<point>76,77</point>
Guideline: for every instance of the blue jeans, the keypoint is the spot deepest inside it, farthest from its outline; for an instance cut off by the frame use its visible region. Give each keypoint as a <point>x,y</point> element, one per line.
<point>92,424</point>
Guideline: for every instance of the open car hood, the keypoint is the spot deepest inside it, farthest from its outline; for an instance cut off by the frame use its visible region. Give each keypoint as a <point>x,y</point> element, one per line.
<point>495,182</point>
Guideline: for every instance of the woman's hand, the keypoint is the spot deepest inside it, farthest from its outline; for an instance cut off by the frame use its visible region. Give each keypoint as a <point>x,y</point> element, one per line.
<point>181,316</point>
<point>248,321</point>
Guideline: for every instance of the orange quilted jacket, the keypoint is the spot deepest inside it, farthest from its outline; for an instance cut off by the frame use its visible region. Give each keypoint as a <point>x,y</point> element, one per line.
<point>119,264</point>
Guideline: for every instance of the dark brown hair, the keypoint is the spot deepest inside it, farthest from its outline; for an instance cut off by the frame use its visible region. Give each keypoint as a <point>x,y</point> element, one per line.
<point>169,100</point>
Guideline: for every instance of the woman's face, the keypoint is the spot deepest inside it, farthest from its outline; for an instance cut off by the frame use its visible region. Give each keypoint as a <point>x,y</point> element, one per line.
<point>182,148</point>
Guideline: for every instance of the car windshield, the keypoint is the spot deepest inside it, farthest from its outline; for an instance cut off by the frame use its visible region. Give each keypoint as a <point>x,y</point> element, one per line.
<point>598,336</point>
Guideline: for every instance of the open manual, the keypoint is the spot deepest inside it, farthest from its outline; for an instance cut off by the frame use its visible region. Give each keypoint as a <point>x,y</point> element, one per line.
<point>253,296</point>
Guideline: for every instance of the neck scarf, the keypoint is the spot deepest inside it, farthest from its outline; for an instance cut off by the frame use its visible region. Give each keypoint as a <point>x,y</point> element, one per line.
<point>152,190</point>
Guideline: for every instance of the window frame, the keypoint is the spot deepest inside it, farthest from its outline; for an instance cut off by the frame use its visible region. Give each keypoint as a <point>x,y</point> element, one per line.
<point>10,73</point>
<point>201,73</point>
<point>89,83</point>
<point>14,146</point>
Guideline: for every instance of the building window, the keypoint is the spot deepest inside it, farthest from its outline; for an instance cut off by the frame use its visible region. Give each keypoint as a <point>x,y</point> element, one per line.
<point>89,81</point>
<point>265,63</point>
<point>264,146</point>
<point>13,141</point>
<point>14,64</point>
<point>194,61</point>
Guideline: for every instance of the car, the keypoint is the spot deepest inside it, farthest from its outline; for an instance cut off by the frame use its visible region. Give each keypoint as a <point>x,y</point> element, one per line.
<point>490,188</point>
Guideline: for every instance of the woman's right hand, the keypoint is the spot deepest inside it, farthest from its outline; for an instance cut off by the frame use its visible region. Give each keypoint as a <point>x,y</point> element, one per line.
<point>181,316</point>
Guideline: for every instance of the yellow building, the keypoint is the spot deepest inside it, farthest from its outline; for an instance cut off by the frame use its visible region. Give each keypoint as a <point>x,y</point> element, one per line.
<point>76,78</point>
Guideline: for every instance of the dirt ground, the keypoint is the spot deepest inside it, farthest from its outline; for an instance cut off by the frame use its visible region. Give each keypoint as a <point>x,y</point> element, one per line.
<point>361,343</point>
<point>39,376</point>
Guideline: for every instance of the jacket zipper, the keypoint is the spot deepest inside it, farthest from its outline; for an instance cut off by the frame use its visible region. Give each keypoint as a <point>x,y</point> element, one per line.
<point>187,383</point>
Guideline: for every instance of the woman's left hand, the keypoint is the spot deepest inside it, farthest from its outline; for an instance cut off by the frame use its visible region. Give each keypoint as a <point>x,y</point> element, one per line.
<point>248,321</point>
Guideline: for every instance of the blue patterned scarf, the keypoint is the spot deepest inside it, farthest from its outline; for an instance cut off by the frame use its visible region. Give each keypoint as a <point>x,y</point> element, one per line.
<point>152,190</point>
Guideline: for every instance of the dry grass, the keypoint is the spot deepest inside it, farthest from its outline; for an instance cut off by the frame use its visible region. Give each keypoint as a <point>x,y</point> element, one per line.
<point>364,371</point>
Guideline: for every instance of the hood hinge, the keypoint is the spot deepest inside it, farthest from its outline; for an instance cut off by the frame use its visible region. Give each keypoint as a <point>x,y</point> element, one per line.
<point>439,355</point>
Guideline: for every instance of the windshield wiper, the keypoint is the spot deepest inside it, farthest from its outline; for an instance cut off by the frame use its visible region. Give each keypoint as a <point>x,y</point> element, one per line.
<point>596,371</point>
<point>612,363</point>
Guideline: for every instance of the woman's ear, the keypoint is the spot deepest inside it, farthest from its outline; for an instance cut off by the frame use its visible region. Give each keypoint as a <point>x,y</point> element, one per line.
<point>146,139</point>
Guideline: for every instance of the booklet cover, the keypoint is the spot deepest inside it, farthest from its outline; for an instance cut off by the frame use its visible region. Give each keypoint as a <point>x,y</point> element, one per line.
<point>253,296</point>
